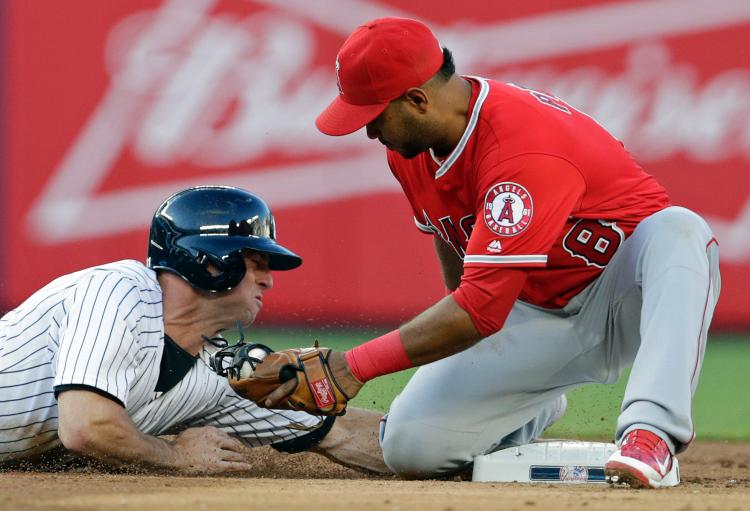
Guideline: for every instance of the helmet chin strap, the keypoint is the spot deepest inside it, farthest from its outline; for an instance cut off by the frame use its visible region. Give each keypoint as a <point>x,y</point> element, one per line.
<point>220,342</point>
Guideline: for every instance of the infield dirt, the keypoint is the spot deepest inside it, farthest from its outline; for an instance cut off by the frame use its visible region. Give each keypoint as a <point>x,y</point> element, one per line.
<point>716,476</point>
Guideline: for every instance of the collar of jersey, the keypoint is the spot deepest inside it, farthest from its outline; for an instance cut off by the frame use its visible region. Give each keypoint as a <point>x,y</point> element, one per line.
<point>483,91</point>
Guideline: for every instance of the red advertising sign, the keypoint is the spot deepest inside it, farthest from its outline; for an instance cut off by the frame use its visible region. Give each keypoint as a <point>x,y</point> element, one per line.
<point>124,103</point>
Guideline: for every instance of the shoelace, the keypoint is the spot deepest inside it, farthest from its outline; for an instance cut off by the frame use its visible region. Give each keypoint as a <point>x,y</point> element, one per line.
<point>649,443</point>
<point>650,440</point>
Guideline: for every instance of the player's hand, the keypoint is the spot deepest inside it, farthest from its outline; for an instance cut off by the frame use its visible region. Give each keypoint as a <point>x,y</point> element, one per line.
<point>316,380</point>
<point>208,450</point>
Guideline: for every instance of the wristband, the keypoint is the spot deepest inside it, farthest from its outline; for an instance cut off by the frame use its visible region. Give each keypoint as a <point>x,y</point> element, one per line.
<point>383,355</point>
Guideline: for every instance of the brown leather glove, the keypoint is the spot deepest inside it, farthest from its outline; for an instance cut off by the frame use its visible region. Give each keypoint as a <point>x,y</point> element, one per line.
<point>294,379</point>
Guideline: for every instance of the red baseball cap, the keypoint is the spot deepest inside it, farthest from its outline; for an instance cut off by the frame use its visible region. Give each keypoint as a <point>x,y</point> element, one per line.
<point>379,61</point>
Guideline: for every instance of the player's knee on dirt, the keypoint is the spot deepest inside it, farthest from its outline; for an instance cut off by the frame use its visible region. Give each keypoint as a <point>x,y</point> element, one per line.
<point>414,450</point>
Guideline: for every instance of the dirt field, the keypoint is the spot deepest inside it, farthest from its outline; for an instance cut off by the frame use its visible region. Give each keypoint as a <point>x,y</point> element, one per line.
<point>716,476</point>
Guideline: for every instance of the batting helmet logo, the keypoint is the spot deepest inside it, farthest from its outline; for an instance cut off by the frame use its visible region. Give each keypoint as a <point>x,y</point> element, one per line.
<point>507,209</point>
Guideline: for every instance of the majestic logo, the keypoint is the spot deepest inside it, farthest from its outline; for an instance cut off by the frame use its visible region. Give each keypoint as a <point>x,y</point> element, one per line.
<point>495,247</point>
<point>508,209</point>
<point>338,79</point>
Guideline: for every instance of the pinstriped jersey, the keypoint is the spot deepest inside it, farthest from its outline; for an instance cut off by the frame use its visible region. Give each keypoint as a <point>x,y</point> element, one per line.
<point>532,184</point>
<point>101,329</point>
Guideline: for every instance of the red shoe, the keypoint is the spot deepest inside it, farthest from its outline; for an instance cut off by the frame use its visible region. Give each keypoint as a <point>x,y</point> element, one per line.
<point>643,461</point>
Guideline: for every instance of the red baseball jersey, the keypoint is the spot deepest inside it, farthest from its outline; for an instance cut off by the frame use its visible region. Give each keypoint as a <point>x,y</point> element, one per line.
<point>532,184</point>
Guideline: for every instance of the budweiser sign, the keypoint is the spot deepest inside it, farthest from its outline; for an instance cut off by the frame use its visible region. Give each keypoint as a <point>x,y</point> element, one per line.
<point>170,94</point>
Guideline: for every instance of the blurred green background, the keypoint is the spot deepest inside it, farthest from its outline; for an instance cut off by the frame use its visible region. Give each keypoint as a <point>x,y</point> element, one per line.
<point>721,408</point>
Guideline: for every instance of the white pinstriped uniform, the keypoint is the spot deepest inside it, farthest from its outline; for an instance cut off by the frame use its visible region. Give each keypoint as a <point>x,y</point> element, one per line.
<point>103,328</point>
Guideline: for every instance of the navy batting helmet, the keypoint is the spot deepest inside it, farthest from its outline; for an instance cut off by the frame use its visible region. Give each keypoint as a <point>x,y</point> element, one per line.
<point>212,224</point>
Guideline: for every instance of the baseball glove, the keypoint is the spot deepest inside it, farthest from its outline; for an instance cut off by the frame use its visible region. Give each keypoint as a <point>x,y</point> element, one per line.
<point>254,371</point>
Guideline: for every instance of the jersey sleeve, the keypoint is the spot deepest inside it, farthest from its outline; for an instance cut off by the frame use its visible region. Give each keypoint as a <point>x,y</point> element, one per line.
<point>257,426</point>
<point>488,294</point>
<point>98,351</point>
<point>287,430</point>
<point>522,204</point>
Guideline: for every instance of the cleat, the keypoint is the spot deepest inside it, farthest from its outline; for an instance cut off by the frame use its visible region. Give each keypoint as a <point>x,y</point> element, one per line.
<point>643,461</point>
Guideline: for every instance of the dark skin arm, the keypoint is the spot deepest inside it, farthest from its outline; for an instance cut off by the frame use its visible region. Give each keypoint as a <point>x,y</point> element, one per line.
<point>440,331</point>
<point>451,265</point>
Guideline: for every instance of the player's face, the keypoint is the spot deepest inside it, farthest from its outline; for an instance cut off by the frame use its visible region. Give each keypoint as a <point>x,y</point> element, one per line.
<point>401,130</point>
<point>248,295</point>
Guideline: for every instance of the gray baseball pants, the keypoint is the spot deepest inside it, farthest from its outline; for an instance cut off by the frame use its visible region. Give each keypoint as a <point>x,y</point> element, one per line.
<point>650,308</point>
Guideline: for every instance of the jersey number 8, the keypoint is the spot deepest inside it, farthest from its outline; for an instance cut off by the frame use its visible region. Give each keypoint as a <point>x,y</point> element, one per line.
<point>594,241</point>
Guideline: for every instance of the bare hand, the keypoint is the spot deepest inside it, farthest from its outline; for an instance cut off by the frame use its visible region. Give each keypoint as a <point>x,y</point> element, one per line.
<point>208,450</point>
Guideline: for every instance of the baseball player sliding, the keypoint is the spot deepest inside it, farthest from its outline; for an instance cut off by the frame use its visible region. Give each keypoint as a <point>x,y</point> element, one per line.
<point>565,263</point>
<point>100,361</point>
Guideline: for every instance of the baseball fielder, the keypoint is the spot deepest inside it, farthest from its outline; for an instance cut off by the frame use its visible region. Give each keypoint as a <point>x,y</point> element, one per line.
<point>564,260</point>
<point>102,360</point>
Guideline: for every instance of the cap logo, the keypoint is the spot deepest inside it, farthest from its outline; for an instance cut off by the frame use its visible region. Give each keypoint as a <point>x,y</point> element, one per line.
<point>338,79</point>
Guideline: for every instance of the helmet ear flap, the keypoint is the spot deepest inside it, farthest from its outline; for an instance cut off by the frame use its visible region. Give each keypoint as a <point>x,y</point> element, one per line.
<point>159,244</point>
<point>231,269</point>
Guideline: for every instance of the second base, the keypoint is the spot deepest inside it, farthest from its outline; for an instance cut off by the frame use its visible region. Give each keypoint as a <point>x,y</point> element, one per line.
<point>545,462</point>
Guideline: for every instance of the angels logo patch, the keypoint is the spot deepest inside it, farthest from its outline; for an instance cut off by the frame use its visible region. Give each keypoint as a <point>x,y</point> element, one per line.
<point>508,209</point>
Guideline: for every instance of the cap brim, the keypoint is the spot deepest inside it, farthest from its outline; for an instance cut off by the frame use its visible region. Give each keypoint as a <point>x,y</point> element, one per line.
<point>342,118</point>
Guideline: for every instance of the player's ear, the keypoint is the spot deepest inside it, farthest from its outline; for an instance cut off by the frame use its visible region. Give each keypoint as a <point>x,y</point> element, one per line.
<point>416,98</point>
